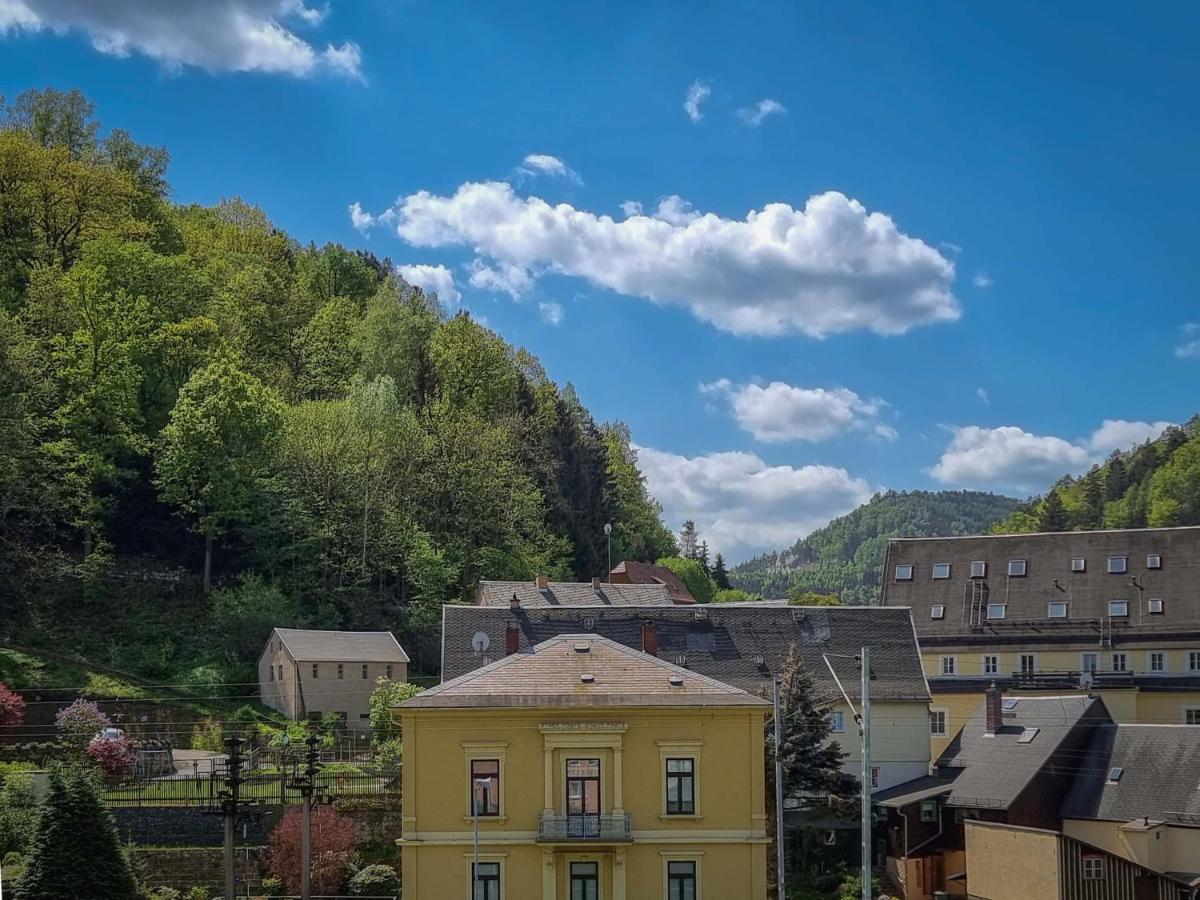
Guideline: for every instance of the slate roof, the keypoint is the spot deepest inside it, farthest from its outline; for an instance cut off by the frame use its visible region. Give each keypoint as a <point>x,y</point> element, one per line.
<point>722,641</point>
<point>996,769</point>
<point>347,646</point>
<point>1160,777</point>
<point>634,572</point>
<point>923,788</point>
<point>572,593</point>
<point>581,670</point>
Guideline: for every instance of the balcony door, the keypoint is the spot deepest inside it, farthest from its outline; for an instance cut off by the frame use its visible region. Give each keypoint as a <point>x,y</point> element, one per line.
<point>583,798</point>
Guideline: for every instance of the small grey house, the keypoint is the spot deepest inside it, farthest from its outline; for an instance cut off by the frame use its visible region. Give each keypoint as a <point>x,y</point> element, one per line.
<point>306,674</point>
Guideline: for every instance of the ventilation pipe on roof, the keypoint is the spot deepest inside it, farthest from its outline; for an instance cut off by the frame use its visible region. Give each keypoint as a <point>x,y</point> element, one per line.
<point>650,638</point>
<point>993,709</point>
<point>515,602</point>
<point>596,585</point>
<point>512,640</point>
<point>542,582</point>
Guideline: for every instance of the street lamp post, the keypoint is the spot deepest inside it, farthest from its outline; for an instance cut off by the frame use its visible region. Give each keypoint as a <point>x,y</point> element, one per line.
<point>608,536</point>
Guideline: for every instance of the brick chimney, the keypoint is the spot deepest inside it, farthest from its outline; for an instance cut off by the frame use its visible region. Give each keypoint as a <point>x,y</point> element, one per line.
<point>993,709</point>
<point>596,585</point>
<point>542,582</point>
<point>515,602</point>
<point>512,639</point>
<point>650,638</point>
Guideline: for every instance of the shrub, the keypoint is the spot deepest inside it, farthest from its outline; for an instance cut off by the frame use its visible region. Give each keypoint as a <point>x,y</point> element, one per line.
<point>208,735</point>
<point>376,880</point>
<point>812,598</point>
<point>12,707</point>
<point>18,814</point>
<point>735,595</point>
<point>387,694</point>
<point>272,885</point>
<point>698,584</point>
<point>332,843</point>
<point>113,758</point>
<point>108,688</point>
<point>79,723</point>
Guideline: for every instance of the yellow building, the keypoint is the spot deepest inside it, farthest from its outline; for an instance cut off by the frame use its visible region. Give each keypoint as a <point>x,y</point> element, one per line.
<point>597,772</point>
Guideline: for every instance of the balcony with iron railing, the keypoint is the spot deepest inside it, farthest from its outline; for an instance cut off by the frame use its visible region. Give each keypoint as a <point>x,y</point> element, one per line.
<point>553,828</point>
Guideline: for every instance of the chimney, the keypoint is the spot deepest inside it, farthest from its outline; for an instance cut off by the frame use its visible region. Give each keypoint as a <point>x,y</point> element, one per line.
<point>650,638</point>
<point>512,640</point>
<point>993,709</point>
<point>515,602</point>
<point>542,582</point>
<point>596,585</point>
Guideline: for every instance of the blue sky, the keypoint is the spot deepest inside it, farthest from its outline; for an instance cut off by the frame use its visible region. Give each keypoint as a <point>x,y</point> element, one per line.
<point>971,234</point>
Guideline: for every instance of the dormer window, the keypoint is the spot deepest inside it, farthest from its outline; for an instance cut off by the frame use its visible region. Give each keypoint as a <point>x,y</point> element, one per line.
<point>996,610</point>
<point>1016,568</point>
<point>937,611</point>
<point>941,571</point>
<point>1154,606</point>
<point>904,572</point>
<point>979,569</point>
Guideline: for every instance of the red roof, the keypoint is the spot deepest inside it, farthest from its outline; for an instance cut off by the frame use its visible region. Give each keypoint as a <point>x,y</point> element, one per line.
<point>648,573</point>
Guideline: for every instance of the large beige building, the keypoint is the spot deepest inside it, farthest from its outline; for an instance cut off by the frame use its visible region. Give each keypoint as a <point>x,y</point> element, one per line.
<point>307,674</point>
<point>1055,612</point>
<point>596,772</point>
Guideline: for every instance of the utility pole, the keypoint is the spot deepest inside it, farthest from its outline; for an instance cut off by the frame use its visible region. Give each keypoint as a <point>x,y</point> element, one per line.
<point>306,783</point>
<point>865,728</point>
<point>779,875</point>
<point>229,807</point>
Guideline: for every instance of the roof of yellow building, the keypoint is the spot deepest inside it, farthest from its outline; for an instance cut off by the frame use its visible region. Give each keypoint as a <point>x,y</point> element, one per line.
<point>582,670</point>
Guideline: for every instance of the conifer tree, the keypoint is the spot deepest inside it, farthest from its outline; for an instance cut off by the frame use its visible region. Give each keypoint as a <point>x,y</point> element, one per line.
<point>702,558</point>
<point>720,576</point>
<point>1053,515</point>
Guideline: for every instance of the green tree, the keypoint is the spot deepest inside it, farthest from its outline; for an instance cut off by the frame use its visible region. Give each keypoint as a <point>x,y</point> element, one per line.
<point>1175,488</point>
<point>719,576</point>
<point>688,540</point>
<point>698,584</point>
<point>734,595</point>
<point>216,448</point>
<point>812,598</point>
<point>1052,517</point>
<point>73,825</point>
<point>638,531</point>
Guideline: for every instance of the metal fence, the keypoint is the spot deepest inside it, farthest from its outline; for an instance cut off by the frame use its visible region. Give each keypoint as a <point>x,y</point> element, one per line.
<point>271,788</point>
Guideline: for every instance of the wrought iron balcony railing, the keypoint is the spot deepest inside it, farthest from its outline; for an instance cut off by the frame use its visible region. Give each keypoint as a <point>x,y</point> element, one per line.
<point>552,827</point>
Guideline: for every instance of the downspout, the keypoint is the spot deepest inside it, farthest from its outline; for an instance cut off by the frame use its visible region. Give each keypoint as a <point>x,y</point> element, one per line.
<point>941,812</point>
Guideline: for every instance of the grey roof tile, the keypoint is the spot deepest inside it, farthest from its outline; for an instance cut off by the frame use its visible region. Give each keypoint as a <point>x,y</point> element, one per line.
<point>572,593</point>
<point>347,646</point>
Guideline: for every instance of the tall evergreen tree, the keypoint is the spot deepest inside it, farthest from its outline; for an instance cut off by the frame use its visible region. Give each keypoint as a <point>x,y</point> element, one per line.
<point>1053,515</point>
<point>687,540</point>
<point>1091,511</point>
<point>76,852</point>
<point>702,558</point>
<point>720,577</point>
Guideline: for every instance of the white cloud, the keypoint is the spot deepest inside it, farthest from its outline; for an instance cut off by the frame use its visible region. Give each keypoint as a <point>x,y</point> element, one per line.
<point>360,218</point>
<point>230,36</point>
<point>829,267</point>
<point>1010,457</point>
<point>432,280</point>
<point>631,208</point>
<point>544,164</point>
<point>551,313</point>
<point>1189,346</point>
<point>982,279</point>
<point>742,505</point>
<point>782,412</point>
<point>697,93</point>
<point>982,394</point>
<point>500,278</point>
<point>755,115</point>
<point>950,247</point>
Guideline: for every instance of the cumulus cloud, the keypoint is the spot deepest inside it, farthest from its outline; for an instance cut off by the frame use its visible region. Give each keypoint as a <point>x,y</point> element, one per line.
<point>631,208</point>
<point>544,164</point>
<point>762,110</point>
<point>830,267</point>
<point>1189,345</point>
<point>697,93</point>
<point>982,279</point>
<point>1010,457</point>
<point>782,412</point>
<point>551,313</point>
<point>230,36</point>
<point>744,506</point>
<point>432,280</point>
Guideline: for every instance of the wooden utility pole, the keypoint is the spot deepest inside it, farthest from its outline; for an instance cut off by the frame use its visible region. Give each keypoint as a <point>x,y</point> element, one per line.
<point>230,798</point>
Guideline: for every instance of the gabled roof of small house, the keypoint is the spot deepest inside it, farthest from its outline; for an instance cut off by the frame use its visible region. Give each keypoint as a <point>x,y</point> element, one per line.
<point>581,670</point>
<point>341,646</point>
<point>572,593</point>
<point>649,573</point>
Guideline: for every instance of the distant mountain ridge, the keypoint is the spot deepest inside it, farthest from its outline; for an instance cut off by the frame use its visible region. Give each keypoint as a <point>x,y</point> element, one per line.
<point>846,556</point>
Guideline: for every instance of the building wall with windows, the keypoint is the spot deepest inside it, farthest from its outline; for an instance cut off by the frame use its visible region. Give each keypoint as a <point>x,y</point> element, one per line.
<point>900,741</point>
<point>715,843</point>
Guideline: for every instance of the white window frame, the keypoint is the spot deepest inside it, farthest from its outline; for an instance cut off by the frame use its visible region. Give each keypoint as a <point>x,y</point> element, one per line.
<point>1092,867</point>
<point>1150,654</point>
<point>941,565</point>
<point>994,660</point>
<point>1082,567</point>
<point>937,611</point>
<point>1083,662</point>
<point>909,567</point>
<point>1155,606</point>
<point>944,713</point>
<point>1003,607</point>
<point>942,660</point>
<point>1124,562</point>
<point>1124,657</point>
<point>490,858</point>
<point>1066,609</point>
<point>1187,709</point>
<point>929,811</point>
<point>1194,660</point>
<point>979,568</point>
<point>837,721</point>
<point>1153,560</point>
<point>1118,615</point>
<point>1032,657</point>
<point>1023,563</point>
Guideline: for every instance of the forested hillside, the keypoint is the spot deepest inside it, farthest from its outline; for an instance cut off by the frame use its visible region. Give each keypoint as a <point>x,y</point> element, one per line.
<point>1155,484</point>
<point>845,557</point>
<point>191,398</point>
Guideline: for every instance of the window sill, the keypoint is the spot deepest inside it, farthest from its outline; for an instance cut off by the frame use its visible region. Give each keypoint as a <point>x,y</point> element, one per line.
<point>680,817</point>
<point>483,820</point>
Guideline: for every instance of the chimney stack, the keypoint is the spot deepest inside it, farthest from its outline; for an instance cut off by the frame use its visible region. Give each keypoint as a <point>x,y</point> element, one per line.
<point>993,709</point>
<point>542,582</point>
<point>515,602</point>
<point>650,638</point>
<point>596,585</point>
<point>512,639</point>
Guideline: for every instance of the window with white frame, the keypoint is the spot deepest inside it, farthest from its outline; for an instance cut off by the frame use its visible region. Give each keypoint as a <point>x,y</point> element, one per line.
<point>929,810</point>
<point>937,611</point>
<point>1194,660</point>
<point>1120,662</point>
<point>1153,561</point>
<point>1118,565</point>
<point>949,665</point>
<point>1191,715</point>
<point>1078,564</point>
<point>941,571</point>
<point>979,569</point>
<point>1028,663</point>
<point>939,722</point>
<point>837,720</point>
<point>904,572</point>
<point>1157,661</point>
<point>996,610</point>
<point>991,664</point>
<point>874,776</point>
<point>1118,609</point>
<point>1093,867</point>
<point>1017,568</point>
<point>1089,662</point>
<point>1057,609</point>
<point>1154,606</point>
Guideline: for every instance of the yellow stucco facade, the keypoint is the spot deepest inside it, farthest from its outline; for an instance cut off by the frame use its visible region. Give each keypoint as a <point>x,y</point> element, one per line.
<point>1153,844</point>
<point>722,840</point>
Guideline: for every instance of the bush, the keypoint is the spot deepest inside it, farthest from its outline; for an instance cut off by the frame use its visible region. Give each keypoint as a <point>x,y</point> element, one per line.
<point>812,598</point>
<point>12,707</point>
<point>698,584</point>
<point>272,885</point>
<point>735,595</point>
<point>376,880</point>
<point>216,680</point>
<point>106,687</point>
<point>18,814</point>
<point>387,694</point>
<point>333,838</point>
<point>114,758</point>
<point>208,735</point>
<point>79,723</point>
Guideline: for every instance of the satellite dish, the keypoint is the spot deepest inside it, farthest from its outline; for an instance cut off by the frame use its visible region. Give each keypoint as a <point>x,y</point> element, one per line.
<point>1086,680</point>
<point>481,642</point>
<point>830,838</point>
<point>608,528</point>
